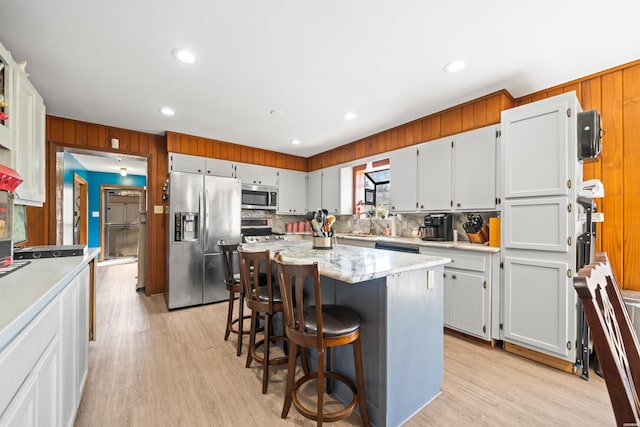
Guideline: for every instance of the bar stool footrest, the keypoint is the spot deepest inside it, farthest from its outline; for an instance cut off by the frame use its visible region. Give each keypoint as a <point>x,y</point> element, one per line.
<point>329,417</point>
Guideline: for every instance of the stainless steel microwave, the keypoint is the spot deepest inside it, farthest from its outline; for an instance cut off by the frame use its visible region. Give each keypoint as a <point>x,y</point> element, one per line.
<point>259,197</point>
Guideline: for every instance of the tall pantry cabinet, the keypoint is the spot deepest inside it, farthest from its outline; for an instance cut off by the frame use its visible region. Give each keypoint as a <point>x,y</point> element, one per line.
<point>541,174</point>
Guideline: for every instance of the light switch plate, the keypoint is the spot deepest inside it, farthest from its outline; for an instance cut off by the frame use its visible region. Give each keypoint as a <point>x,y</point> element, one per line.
<point>158,209</point>
<point>95,214</point>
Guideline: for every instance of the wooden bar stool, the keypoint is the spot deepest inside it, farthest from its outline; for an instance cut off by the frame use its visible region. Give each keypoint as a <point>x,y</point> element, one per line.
<point>233,285</point>
<point>264,301</point>
<point>319,327</point>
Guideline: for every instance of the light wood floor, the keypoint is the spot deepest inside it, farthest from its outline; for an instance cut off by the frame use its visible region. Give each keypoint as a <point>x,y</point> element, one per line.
<point>151,367</point>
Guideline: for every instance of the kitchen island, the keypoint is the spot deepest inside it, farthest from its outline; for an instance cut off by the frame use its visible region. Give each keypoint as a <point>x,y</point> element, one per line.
<point>399,297</point>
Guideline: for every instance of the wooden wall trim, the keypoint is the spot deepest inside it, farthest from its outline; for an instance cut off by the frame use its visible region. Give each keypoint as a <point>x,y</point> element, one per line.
<point>477,113</point>
<point>216,149</point>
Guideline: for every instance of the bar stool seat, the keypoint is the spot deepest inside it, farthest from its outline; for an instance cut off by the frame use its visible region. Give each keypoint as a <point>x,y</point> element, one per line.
<point>318,327</point>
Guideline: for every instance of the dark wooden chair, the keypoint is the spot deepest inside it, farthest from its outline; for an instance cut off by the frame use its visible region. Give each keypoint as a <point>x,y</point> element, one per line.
<point>613,338</point>
<point>318,327</point>
<point>236,292</point>
<point>264,301</point>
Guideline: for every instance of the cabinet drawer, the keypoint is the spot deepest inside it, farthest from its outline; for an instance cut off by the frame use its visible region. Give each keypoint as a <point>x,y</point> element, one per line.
<point>467,262</point>
<point>19,358</point>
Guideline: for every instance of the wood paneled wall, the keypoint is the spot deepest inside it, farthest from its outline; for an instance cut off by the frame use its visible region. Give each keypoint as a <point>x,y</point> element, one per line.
<point>474,114</point>
<point>63,133</point>
<point>615,93</point>
<point>205,147</point>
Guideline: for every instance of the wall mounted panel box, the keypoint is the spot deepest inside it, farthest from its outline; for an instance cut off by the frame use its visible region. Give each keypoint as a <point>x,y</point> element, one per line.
<point>52,251</point>
<point>589,135</point>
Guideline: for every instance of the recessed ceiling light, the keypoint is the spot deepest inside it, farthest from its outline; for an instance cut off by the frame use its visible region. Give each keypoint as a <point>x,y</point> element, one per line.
<point>295,141</point>
<point>184,56</point>
<point>454,66</point>
<point>167,111</point>
<point>350,116</point>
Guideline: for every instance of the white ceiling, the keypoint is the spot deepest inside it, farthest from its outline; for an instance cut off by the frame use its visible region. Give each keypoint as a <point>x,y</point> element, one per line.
<point>102,162</point>
<point>110,62</point>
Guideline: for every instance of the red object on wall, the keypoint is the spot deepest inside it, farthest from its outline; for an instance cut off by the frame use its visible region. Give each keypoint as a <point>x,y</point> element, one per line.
<point>9,178</point>
<point>3,116</point>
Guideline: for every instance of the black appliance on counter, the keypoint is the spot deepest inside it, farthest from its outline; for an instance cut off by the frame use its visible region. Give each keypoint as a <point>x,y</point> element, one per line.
<point>438,227</point>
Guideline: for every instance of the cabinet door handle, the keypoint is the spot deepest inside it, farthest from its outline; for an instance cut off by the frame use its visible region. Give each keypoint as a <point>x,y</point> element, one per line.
<point>453,276</point>
<point>458,204</point>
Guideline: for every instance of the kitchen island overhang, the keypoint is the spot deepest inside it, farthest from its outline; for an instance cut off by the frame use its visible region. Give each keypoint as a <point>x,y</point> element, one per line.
<point>399,297</point>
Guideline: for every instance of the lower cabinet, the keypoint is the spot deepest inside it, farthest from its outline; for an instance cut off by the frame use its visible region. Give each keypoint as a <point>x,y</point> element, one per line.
<point>471,291</point>
<point>43,370</point>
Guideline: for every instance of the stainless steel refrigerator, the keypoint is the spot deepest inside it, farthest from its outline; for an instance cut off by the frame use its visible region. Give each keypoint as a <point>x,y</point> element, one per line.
<point>202,210</point>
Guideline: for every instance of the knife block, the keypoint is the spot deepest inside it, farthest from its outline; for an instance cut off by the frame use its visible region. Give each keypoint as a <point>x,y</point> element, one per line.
<point>480,237</point>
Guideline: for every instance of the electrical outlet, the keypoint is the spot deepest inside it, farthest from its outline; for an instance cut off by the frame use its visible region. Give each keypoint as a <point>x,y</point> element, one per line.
<point>431,279</point>
<point>158,209</point>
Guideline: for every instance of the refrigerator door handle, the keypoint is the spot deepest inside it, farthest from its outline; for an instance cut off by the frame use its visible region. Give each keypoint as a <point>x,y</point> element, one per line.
<point>205,202</point>
<point>203,214</point>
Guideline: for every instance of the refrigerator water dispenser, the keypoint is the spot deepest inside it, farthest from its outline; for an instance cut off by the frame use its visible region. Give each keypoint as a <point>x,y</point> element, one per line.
<point>186,226</point>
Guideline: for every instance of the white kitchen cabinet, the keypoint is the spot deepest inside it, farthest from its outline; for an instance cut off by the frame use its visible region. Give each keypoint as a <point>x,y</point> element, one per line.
<point>459,172</point>
<point>29,368</point>
<point>186,163</point>
<point>255,174</point>
<point>539,305</point>
<point>471,291</point>
<point>331,189</point>
<point>403,165</point>
<point>292,192</point>
<point>314,190</point>
<point>44,368</point>
<point>536,157</point>
<point>540,174</point>
<point>217,167</point>
<point>28,130</point>
<point>474,170</point>
<point>435,175</point>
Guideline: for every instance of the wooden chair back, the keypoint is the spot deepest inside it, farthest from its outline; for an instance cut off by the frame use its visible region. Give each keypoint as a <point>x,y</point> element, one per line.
<point>291,279</point>
<point>255,271</point>
<point>228,251</point>
<point>613,336</point>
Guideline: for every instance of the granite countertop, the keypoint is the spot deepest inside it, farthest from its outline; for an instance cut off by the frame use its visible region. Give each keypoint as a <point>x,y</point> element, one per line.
<point>413,241</point>
<point>26,291</point>
<point>350,264</point>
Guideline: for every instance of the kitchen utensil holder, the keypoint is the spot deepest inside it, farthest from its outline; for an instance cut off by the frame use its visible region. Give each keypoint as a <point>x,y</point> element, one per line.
<point>322,243</point>
<point>481,236</point>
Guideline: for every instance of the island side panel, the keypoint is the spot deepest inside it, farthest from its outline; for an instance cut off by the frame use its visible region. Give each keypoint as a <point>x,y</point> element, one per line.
<point>368,299</point>
<point>415,342</point>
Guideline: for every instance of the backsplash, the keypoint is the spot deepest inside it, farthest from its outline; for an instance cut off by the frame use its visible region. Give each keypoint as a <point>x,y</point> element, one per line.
<point>406,224</point>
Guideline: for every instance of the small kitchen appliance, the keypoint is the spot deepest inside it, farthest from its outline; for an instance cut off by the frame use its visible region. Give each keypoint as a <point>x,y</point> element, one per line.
<point>438,227</point>
<point>262,197</point>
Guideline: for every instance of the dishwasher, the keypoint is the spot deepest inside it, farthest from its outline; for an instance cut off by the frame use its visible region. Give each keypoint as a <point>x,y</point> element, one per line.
<point>397,248</point>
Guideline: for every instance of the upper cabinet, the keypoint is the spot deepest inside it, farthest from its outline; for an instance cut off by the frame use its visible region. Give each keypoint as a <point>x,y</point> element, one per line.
<point>474,169</point>
<point>22,131</point>
<point>454,173</point>
<point>292,192</point>
<point>435,175</point>
<point>255,174</point>
<point>331,189</point>
<point>218,167</point>
<point>314,190</point>
<point>186,163</point>
<point>29,135</point>
<point>403,166</point>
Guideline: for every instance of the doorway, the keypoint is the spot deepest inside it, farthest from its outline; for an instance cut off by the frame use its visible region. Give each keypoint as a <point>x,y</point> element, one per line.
<point>80,210</point>
<point>121,207</point>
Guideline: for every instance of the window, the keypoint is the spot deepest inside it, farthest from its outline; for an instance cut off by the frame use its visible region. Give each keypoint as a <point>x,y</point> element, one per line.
<point>371,188</point>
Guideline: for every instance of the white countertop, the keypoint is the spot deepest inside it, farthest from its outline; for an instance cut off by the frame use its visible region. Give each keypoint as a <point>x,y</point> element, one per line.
<point>412,241</point>
<point>350,264</point>
<point>26,291</point>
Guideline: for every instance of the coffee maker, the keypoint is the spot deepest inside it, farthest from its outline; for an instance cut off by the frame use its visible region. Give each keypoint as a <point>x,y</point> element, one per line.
<point>438,227</point>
